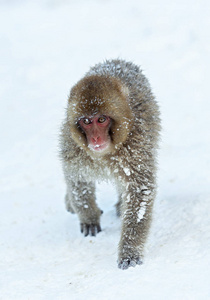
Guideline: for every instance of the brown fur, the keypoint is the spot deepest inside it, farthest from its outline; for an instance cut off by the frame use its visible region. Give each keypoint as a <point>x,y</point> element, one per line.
<point>117,89</point>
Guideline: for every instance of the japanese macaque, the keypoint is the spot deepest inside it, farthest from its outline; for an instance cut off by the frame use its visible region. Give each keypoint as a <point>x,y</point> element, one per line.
<point>111,131</point>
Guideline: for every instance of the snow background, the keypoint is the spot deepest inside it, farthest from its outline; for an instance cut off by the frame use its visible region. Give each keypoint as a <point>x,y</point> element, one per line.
<point>45,47</point>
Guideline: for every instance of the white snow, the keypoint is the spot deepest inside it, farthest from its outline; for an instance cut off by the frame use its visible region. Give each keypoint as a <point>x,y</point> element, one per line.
<point>45,48</point>
<point>127,171</point>
<point>142,211</point>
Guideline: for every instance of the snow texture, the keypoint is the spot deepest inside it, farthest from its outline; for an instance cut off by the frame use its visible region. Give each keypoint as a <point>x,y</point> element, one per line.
<point>46,47</point>
<point>142,211</point>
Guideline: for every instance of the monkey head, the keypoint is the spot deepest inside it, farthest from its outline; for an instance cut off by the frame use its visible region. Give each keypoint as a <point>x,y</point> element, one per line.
<point>99,115</point>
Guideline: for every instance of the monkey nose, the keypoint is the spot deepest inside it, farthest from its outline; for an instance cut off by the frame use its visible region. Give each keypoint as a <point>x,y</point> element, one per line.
<point>95,138</point>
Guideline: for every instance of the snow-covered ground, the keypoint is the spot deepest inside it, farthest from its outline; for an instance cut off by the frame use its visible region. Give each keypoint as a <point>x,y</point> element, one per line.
<point>45,47</point>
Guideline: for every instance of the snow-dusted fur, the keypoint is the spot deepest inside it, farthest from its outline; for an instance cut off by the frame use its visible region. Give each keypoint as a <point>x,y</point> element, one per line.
<point>119,89</point>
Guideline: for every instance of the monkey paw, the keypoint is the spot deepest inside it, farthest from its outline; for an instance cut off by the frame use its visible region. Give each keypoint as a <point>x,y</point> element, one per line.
<point>90,229</point>
<point>126,263</point>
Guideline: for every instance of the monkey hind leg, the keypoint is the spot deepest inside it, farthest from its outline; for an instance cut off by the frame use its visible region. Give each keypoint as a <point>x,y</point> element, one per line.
<point>118,207</point>
<point>68,204</point>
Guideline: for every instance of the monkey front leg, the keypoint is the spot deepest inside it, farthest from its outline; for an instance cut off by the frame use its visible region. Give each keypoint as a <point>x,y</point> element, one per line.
<point>81,197</point>
<point>136,219</point>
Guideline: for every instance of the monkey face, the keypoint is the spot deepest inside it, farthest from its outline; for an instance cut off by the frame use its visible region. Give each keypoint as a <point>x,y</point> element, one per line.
<point>96,129</point>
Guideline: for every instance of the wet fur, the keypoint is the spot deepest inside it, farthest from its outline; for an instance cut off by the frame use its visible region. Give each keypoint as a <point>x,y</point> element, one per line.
<point>118,89</point>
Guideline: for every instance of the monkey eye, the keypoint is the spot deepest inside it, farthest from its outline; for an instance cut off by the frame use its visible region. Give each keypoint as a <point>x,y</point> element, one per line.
<point>86,121</point>
<point>101,119</point>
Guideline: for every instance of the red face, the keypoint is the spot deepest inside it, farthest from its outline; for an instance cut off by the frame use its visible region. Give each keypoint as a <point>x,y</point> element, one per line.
<point>96,129</point>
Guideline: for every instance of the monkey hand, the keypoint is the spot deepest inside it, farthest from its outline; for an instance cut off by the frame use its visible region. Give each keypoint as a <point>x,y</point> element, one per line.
<point>90,229</point>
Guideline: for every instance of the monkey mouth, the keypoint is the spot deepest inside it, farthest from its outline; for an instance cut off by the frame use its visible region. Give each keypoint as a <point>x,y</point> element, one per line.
<point>98,147</point>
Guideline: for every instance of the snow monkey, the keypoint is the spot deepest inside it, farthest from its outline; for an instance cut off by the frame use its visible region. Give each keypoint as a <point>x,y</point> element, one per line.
<point>111,131</point>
